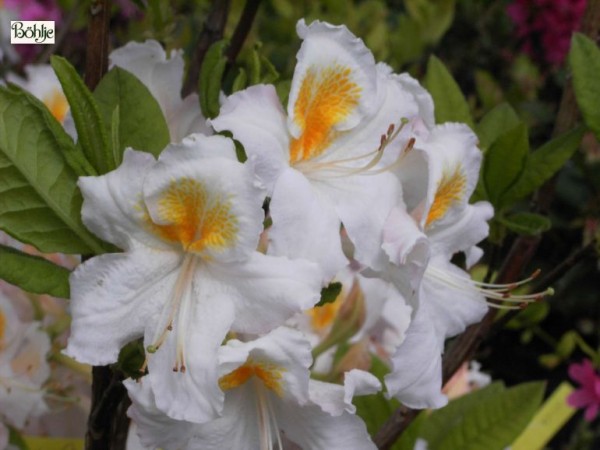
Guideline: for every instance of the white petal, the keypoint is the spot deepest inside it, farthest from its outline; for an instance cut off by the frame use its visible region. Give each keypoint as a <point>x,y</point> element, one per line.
<point>154,428</point>
<point>162,74</point>
<point>256,119</point>
<point>335,399</point>
<point>268,290</point>
<point>451,309</point>
<point>208,206</point>
<point>284,350</point>
<point>421,96</point>
<point>416,377</point>
<point>363,203</point>
<point>304,225</point>
<point>187,119</point>
<point>311,428</point>
<point>193,395</point>
<point>114,298</point>
<point>470,228</point>
<point>327,47</point>
<point>112,206</point>
<point>404,242</point>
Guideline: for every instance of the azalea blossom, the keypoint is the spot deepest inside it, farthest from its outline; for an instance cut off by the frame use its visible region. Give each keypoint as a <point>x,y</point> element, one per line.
<point>189,225</point>
<point>162,74</point>
<point>23,367</point>
<point>269,400</point>
<point>41,81</point>
<point>323,160</point>
<point>588,394</point>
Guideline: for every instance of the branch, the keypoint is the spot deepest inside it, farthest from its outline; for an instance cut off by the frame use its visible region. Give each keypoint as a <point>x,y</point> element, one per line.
<point>96,59</point>
<point>214,25</point>
<point>242,29</point>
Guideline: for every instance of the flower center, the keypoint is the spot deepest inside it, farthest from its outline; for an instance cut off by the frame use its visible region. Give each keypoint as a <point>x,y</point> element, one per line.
<point>195,218</point>
<point>265,377</point>
<point>326,167</point>
<point>450,191</point>
<point>57,103</point>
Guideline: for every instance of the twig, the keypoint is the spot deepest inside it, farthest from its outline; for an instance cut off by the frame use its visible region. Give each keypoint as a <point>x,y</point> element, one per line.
<point>213,29</point>
<point>242,29</point>
<point>96,59</point>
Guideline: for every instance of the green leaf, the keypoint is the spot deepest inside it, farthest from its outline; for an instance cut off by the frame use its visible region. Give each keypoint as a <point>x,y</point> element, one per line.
<point>495,123</point>
<point>526,223</point>
<point>240,82</point>
<point>504,162</point>
<point>211,77</point>
<point>40,203</point>
<point>450,104</point>
<point>141,123</point>
<point>584,59</point>
<point>543,163</point>
<point>330,293</point>
<point>15,438</point>
<point>91,129</point>
<point>33,273</point>
<point>489,419</point>
<point>131,359</point>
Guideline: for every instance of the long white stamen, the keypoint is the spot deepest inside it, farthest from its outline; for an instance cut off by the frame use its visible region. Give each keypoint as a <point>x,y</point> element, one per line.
<point>496,295</point>
<point>338,168</point>
<point>180,303</point>
<point>264,417</point>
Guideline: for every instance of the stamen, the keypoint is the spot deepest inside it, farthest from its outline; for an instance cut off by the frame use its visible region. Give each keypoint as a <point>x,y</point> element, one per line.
<point>338,168</point>
<point>180,304</point>
<point>498,296</point>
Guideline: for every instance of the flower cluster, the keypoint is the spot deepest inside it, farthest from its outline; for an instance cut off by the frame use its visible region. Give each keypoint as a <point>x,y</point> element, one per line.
<point>546,26</point>
<point>351,188</point>
<point>587,396</point>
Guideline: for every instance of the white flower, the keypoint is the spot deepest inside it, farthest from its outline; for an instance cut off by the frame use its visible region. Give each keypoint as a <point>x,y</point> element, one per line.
<point>23,366</point>
<point>323,161</point>
<point>189,224</point>
<point>269,400</point>
<point>162,74</point>
<point>41,81</point>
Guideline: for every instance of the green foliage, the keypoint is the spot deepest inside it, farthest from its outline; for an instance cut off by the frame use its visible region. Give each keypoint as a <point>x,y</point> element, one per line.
<point>329,293</point>
<point>495,123</point>
<point>211,77</point>
<point>33,273</point>
<point>503,164</point>
<point>131,359</point>
<point>584,59</point>
<point>450,103</point>
<point>544,162</point>
<point>15,438</point>
<point>91,132</point>
<point>132,115</point>
<point>489,419</point>
<point>40,203</point>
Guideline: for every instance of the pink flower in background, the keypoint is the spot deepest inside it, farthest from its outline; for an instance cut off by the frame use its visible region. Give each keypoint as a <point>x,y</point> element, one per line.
<point>546,26</point>
<point>33,10</point>
<point>588,395</point>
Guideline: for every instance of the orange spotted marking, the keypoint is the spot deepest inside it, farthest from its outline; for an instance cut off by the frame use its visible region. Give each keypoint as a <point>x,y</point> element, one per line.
<point>195,219</point>
<point>326,98</point>
<point>268,373</point>
<point>450,190</point>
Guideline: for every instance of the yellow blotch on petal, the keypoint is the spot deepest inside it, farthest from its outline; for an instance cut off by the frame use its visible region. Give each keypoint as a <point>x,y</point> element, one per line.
<point>321,317</point>
<point>450,190</point>
<point>57,103</point>
<point>197,220</point>
<point>270,374</point>
<point>326,98</point>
